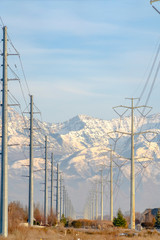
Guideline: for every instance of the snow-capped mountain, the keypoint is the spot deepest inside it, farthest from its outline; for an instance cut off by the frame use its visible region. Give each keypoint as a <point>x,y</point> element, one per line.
<point>82,145</point>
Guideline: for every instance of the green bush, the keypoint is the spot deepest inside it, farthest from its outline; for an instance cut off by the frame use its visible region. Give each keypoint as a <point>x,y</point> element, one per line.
<point>157,223</point>
<point>119,221</point>
<point>63,220</point>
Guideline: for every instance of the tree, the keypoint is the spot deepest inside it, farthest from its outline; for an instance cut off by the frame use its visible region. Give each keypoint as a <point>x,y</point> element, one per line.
<point>119,221</point>
<point>37,214</point>
<point>52,220</point>
<point>157,223</point>
<point>16,214</point>
<point>63,220</point>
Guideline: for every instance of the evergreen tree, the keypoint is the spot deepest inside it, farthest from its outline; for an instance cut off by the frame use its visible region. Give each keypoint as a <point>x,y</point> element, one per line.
<point>119,221</point>
<point>157,223</point>
<point>63,220</point>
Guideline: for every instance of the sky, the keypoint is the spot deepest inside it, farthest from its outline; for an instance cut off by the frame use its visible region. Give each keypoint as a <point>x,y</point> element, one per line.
<point>83,56</point>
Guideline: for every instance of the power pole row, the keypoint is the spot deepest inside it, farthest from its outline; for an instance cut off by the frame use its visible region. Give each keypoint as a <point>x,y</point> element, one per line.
<point>91,208</point>
<point>62,205</point>
<point>4,166</point>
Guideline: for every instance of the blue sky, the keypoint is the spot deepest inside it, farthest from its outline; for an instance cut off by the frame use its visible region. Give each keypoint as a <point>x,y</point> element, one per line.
<point>84,56</point>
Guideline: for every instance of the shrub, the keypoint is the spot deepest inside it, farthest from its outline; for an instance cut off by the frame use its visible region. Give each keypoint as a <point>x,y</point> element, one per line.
<point>16,214</point>
<point>77,224</point>
<point>52,220</point>
<point>63,220</point>
<point>37,215</point>
<point>147,225</point>
<point>157,223</point>
<point>119,221</point>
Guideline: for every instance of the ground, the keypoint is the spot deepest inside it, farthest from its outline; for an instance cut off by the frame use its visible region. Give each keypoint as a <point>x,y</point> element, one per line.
<point>60,233</point>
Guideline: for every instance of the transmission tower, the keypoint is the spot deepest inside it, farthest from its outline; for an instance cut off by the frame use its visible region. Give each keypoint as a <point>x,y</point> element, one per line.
<point>64,201</point>
<point>30,210</point>
<point>52,193</point>
<point>58,194</point>
<point>93,205</point>
<point>4,163</point>
<point>96,200</point>
<point>102,194</point>
<point>111,186</point>
<point>132,133</point>
<point>46,184</point>
<point>61,195</point>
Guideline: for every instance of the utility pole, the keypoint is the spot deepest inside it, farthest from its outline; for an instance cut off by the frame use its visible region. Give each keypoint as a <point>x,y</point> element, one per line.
<point>111,186</point>
<point>30,212</point>
<point>4,162</point>
<point>96,200</point>
<point>90,210</point>
<point>64,201</point>
<point>132,213</point>
<point>102,194</point>
<point>58,195</point>
<point>69,208</point>
<point>93,203</point>
<point>65,197</point>
<point>52,193</point>
<point>66,205</point>
<point>132,189</point>
<point>46,184</point>
<point>61,195</point>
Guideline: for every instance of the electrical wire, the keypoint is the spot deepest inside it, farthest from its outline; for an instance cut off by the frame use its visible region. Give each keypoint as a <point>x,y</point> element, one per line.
<point>149,76</point>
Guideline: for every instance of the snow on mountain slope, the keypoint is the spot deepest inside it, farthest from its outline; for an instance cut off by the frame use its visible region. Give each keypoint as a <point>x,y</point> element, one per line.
<point>83,141</point>
<point>81,145</point>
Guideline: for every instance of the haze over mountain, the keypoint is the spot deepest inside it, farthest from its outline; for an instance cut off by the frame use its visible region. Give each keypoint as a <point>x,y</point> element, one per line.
<point>81,145</point>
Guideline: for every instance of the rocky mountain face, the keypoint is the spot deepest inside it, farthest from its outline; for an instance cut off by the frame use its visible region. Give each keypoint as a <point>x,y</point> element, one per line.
<point>81,145</point>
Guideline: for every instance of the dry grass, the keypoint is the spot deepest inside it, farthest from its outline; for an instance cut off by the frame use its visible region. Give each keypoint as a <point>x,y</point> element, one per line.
<point>60,233</point>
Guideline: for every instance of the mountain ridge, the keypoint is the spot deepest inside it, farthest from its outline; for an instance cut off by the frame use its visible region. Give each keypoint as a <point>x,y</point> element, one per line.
<point>81,145</point>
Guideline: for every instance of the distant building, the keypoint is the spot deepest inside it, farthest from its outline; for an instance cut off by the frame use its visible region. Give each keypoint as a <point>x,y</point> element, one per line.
<point>149,215</point>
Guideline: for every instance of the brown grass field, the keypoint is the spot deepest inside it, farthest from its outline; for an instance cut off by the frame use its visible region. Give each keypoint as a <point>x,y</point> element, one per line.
<point>53,233</point>
<point>81,229</point>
